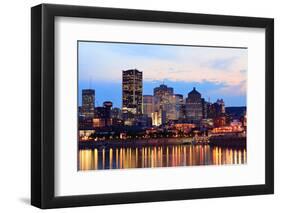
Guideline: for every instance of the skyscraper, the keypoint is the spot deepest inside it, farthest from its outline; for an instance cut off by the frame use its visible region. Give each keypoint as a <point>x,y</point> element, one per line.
<point>88,103</point>
<point>164,102</point>
<point>194,106</point>
<point>132,91</point>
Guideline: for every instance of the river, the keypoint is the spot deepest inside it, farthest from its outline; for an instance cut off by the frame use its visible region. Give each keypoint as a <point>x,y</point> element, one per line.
<point>158,156</point>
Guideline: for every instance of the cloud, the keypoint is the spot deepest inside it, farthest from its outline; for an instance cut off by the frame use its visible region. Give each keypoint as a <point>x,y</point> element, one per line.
<point>225,66</point>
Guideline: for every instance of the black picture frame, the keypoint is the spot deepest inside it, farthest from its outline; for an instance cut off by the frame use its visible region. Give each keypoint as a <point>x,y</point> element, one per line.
<point>43,110</point>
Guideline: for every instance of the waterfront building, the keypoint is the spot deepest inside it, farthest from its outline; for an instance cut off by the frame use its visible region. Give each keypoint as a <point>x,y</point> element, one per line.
<point>88,103</point>
<point>183,128</point>
<point>85,134</point>
<point>132,91</point>
<point>194,107</point>
<point>148,105</point>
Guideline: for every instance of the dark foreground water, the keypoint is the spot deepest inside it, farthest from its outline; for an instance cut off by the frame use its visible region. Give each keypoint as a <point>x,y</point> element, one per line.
<point>158,156</point>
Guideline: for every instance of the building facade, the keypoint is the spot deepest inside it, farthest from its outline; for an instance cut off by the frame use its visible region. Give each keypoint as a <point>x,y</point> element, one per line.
<point>88,103</point>
<point>164,102</point>
<point>102,116</point>
<point>194,107</point>
<point>132,85</point>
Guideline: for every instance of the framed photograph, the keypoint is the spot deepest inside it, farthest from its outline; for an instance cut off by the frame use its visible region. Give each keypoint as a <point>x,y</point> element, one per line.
<point>139,106</point>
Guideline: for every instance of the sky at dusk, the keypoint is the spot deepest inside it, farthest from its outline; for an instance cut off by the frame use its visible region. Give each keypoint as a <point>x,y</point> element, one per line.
<point>215,72</point>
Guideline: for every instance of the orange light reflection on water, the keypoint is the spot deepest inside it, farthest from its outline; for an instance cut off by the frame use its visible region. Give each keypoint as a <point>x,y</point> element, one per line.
<point>158,156</point>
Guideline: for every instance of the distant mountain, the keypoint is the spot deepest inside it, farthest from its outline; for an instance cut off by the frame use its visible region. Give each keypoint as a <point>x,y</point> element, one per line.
<point>236,112</point>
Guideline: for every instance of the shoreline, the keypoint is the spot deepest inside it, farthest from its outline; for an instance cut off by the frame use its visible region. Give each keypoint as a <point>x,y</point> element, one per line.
<point>157,142</point>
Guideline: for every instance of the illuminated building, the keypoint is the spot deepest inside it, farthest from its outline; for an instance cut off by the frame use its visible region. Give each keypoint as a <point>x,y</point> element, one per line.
<point>207,122</point>
<point>99,122</point>
<point>85,134</point>
<point>132,92</point>
<point>184,127</point>
<point>158,118</point>
<point>148,105</point>
<point>88,103</point>
<point>165,102</point>
<point>219,121</point>
<point>102,116</point>
<point>227,129</point>
<point>194,106</point>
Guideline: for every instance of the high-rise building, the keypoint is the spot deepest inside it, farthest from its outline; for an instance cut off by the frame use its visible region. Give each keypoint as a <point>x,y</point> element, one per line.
<point>88,103</point>
<point>164,102</point>
<point>132,92</point>
<point>194,106</point>
<point>148,105</point>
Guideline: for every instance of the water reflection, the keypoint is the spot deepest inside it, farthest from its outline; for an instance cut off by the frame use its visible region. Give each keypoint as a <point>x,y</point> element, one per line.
<point>158,156</point>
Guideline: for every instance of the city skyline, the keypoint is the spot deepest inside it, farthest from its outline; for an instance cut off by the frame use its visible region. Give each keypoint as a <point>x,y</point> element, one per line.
<point>228,64</point>
<point>146,106</point>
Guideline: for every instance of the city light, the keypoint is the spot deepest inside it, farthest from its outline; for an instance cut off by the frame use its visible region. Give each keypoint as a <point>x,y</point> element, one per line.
<point>161,115</point>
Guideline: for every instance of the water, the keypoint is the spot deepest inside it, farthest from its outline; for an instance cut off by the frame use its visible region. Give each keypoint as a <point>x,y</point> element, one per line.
<point>158,156</point>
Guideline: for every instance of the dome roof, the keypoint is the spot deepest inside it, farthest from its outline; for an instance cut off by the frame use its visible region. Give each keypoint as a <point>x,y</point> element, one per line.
<point>194,92</point>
